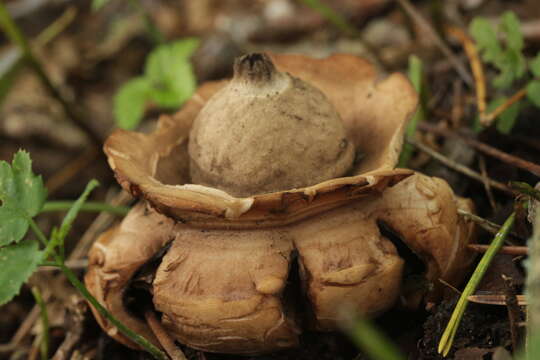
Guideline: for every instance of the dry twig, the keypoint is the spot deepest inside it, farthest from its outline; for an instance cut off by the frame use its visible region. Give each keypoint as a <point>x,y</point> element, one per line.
<point>459,167</point>
<point>476,66</point>
<point>509,250</point>
<point>486,149</point>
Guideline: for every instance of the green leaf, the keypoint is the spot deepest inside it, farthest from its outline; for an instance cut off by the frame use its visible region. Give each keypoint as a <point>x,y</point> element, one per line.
<point>486,39</point>
<point>98,4</point>
<point>511,26</point>
<point>533,92</point>
<point>129,102</point>
<point>22,195</point>
<point>13,226</point>
<point>170,73</point>
<point>507,119</point>
<point>535,65</point>
<point>512,66</point>
<point>18,262</point>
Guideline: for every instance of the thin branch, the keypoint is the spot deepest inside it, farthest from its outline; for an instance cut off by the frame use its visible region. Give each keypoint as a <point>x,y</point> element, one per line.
<point>486,149</point>
<point>485,224</point>
<point>415,15</point>
<point>487,119</point>
<point>509,250</point>
<point>476,66</point>
<point>459,167</point>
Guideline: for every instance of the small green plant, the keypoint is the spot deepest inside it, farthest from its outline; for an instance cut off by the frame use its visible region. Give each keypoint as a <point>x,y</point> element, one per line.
<point>168,81</point>
<point>502,48</point>
<point>22,197</point>
<point>416,76</point>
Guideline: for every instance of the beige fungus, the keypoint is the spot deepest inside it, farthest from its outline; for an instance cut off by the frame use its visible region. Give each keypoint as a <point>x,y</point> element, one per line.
<point>267,131</point>
<point>243,242</point>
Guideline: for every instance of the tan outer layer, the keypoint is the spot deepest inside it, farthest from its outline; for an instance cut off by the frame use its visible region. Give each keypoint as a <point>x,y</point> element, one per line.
<point>374,111</point>
<point>222,291</point>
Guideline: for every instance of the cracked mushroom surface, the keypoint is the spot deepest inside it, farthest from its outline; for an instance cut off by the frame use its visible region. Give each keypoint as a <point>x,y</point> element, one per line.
<point>240,263</point>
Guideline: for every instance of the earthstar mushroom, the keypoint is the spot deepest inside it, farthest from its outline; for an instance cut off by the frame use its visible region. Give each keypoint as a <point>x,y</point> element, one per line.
<point>232,252</point>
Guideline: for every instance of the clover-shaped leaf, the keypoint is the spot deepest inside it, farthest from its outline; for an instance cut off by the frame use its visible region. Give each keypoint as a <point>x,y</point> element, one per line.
<point>168,81</point>
<point>22,195</point>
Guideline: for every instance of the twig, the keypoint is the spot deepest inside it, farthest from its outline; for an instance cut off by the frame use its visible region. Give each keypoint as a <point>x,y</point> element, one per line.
<point>485,224</point>
<point>447,338</point>
<point>459,167</point>
<point>509,250</point>
<point>21,332</point>
<point>486,149</point>
<point>439,42</point>
<point>476,66</point>
<point>55,28</point>
<point>487,119</point>
<point>163,337</point>
<point>485,177</point>
<point>16,36</point>
<point>71,169</point>
<point>496,299</point>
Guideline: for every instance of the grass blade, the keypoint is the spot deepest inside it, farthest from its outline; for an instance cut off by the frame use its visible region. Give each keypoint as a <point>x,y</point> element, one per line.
<point>447,338</point>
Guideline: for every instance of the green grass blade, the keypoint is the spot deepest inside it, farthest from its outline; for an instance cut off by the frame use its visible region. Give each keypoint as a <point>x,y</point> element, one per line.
<point>415,76</point>
<point>89,206</point>
<point>447,338</point>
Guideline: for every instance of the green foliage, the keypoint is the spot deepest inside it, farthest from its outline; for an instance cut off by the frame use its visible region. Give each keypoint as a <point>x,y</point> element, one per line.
<point>168,81</point>
<point>22,195</point>
<point>533,92</point>
<point>506,57</point>
<point>506,120</point>
<point>98,4</point>
<point>18,262</point>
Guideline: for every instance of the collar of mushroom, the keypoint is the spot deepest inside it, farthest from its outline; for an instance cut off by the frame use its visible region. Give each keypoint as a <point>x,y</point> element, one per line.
<point>285,170</point>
